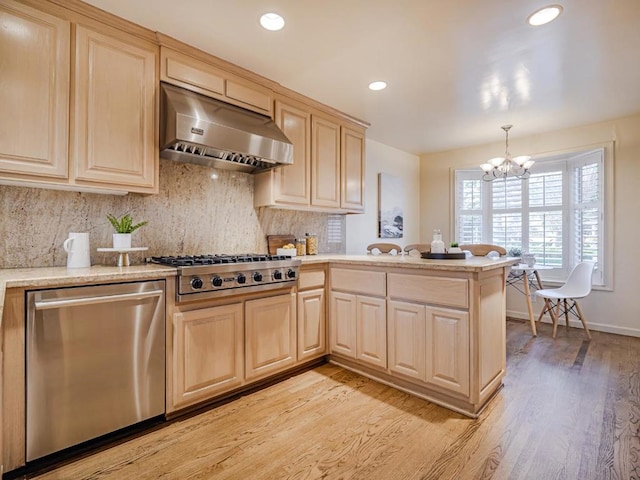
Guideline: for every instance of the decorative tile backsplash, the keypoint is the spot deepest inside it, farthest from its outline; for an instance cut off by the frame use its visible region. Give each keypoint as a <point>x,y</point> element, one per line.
<point>193,213</point>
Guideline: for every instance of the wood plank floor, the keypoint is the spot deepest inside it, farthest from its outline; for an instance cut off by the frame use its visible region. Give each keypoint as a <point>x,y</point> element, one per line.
<point>570,409</point>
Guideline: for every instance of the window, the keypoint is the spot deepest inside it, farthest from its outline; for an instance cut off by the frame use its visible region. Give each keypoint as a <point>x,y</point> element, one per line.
<point>558,214</point>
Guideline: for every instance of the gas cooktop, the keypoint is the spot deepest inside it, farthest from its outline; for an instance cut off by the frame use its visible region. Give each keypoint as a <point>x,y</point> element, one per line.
<point>211,276</point>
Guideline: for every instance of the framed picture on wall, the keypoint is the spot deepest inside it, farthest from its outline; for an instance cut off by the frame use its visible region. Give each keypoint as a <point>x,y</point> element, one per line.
<point>390,206</point>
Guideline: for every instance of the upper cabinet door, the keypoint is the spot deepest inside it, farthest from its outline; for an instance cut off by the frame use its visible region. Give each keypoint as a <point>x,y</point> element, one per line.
<point>293,181</point>
<point>115,111</point>
<point>325,161</point>
<point>352,170</point>
<point>34,92</point>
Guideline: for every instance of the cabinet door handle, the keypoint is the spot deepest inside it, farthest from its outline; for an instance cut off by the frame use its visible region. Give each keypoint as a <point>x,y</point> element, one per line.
<point>73,302</point>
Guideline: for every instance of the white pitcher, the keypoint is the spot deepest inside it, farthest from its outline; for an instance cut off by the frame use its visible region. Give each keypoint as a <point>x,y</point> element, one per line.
<point>77,248</point>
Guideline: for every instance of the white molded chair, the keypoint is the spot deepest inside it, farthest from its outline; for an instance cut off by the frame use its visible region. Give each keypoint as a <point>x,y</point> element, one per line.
<point>563,299</point>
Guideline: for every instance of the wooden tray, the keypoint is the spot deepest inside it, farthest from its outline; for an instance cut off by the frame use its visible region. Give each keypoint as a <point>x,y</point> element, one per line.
<point>274,242</point>
<point>443,256</point>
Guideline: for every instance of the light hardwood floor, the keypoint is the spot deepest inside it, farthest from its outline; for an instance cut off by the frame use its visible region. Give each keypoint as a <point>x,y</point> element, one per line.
<point>570,409</point>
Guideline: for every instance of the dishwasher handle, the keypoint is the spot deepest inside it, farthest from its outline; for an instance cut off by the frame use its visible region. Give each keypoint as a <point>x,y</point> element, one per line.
<point>73,302</point>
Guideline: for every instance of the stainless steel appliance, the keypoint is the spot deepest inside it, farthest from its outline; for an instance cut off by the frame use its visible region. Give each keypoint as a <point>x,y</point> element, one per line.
<point>95,362</point>
<point>202,130</point>
<point>212,276</point>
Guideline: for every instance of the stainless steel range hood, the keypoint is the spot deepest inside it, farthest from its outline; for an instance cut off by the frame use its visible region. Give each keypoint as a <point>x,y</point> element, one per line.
<point>202,130</point>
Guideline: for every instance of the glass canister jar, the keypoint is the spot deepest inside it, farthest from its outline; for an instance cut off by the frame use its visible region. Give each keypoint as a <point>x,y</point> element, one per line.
<point>312,243</point>
<point>301,246</point>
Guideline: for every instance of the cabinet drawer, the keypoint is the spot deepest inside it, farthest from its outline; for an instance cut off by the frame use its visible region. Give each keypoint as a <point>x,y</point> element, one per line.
<point>452,292</point>
<point>359,281</point>
<point>311,279</point>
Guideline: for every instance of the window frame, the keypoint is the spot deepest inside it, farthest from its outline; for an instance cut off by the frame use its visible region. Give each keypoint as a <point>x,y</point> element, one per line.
<point>603,278</point>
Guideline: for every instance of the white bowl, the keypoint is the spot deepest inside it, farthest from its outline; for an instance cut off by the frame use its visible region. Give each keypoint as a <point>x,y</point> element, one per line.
<point>289,252</point>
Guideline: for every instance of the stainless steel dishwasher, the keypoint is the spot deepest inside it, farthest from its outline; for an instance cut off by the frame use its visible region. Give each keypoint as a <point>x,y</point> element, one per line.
<point>95,362</point>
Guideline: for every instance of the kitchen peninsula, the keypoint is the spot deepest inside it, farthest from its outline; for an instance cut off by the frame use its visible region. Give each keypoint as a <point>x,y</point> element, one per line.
<point>435,329</point>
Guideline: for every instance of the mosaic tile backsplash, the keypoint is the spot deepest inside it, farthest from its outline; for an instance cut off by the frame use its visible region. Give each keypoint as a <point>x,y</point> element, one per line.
<point>192,214</point>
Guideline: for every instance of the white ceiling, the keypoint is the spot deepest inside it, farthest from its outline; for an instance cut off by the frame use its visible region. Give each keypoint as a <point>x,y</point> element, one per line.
<point>457,70</point>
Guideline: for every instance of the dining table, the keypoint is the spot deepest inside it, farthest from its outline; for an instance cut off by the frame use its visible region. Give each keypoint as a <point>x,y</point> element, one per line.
<point>526,279</point>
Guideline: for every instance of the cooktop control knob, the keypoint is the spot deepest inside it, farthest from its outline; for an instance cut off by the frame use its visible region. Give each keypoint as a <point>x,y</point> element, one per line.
<point>257,277</point>
<point>216,281</point>
<point>197,283</point>
<point>277,275</point>
<point>241,278</point>
<point>291,273</point>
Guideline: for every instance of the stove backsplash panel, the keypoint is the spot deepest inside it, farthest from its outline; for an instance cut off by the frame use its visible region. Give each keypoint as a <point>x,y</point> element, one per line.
<point>192,214</point>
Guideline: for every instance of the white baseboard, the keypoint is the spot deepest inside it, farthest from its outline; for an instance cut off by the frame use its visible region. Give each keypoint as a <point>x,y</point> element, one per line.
<point>629,332</point>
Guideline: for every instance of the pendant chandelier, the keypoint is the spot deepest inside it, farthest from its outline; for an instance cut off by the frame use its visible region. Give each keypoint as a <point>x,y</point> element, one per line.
<point>503,167</point>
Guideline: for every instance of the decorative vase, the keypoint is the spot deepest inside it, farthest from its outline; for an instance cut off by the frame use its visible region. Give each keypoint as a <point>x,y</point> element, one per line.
<point>121,240</point>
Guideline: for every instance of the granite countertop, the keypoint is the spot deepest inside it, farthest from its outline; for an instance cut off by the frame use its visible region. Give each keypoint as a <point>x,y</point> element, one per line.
<point>56,276</point>
<point>473,264</point>
<point>60,276</point>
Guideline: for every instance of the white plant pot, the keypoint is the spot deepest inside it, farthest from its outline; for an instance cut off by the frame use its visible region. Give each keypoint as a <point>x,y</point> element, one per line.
<point>454,250</point>
<point>121,240</point>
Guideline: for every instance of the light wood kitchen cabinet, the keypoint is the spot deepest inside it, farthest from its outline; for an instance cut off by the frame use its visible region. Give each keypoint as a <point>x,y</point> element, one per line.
<point>270,335</point>
<point>114,128</point>
<point>97,133</point>
<point>343,324</point>
<point>202,77</point>
<point>312,318</point>
<point>325,162</point>
<point>359,328</point>
<point>328,168</point>
<point>34,93</point>
<point>352,169</point>
<point>289,186</point>
<point>208,353</point>
<point>358,319</point>
<point>407,339</point>
<point>311,324</point>
<point>448,349</point>
<point>371,331</point>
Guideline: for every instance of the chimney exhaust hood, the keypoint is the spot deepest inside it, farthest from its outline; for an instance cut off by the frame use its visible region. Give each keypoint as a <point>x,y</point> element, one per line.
<point>205,131</point>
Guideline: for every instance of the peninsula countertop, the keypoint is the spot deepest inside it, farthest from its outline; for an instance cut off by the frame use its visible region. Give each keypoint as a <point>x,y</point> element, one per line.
<point>473,264</point>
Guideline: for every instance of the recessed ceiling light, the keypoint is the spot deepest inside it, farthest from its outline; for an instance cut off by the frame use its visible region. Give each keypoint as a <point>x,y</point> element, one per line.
<point>544,15</point>
<point>377,85</point>
<point>272,21</point>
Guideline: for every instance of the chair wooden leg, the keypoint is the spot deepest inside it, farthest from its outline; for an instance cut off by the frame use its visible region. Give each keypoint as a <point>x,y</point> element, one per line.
<point>584,324</point>
<point>566,314</point>
<point>544,310</point>
<point>556,317</point>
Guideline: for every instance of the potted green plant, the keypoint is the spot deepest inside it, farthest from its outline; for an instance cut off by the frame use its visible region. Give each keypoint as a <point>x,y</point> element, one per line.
<point>514,252</point>
<point>454,248</point>
<point>124,227</point>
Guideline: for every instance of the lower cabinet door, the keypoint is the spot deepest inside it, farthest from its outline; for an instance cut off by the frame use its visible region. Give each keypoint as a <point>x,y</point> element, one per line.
<point>448,349</point>
<point>270,335</point>
<point>343,324</point>
<point>311,324</point>
<point>406,337</point>
<point>208,356</point>
<point>371,331</point>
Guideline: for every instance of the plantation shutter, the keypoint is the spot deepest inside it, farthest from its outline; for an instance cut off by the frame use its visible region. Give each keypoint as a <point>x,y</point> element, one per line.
<point>469,222</point>
<point>506,200</point>
<point>545,216</point>
<point>587,203</point>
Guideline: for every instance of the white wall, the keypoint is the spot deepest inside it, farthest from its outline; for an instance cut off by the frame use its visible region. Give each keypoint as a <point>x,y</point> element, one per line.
<point>612,311</point>
<point>363,229</point>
